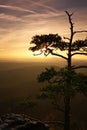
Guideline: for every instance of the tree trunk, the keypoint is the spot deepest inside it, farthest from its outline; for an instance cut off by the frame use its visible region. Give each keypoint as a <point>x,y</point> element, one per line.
<point>67,113</point>
<point>67,97</point>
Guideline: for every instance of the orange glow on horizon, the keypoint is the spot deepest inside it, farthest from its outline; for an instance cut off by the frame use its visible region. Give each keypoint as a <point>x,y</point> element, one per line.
<point>17,32</point>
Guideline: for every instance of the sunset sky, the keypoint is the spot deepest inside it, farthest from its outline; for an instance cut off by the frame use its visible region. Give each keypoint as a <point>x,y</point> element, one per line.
<point>21,19</point>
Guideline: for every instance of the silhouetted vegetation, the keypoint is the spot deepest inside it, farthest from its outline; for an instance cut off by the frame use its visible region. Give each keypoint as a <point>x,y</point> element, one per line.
<point>65,83</point>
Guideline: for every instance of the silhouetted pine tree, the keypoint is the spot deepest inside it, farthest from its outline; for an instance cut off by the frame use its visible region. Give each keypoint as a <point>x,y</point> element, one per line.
<point>66,82</point>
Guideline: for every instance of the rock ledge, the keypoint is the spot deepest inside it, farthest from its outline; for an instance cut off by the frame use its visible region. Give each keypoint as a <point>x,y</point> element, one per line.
<point>20,122</point>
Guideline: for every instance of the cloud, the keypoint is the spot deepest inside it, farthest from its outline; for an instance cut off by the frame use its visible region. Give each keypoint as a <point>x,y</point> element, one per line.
<point>31,13</point>
<point>16,8</point>
<point>55,4</point>
<point>44,6</point>
<point>16,17</point>
<point>8,17</point>
<point>63,5</point>
<point>21,19</point>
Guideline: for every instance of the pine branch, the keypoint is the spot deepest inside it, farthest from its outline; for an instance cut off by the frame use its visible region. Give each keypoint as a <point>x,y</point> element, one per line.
<point>78,53</point>
<point>55,54</point>
<point>50,51</point>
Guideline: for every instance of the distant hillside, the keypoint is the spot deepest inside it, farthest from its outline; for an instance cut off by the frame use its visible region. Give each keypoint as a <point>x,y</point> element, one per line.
<point>20,77</point>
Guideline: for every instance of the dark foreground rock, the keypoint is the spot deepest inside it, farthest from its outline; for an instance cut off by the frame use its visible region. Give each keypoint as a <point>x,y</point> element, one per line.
<point>20,122</point>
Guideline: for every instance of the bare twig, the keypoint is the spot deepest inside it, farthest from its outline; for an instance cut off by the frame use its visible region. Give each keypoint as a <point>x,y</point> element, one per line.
<point>78,67</point>
<point>70,21</point>
<point>82,31</point>
<point>66,38</point>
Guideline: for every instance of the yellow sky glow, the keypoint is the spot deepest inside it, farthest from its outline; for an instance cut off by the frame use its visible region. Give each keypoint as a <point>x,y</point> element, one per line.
<point>16,32</point>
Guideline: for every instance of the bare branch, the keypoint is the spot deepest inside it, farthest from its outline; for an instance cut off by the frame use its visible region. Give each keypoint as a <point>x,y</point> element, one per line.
<point>70,19</point>
<point>68,14</point>
<point>78,67</point>
<point>78,53</point>
<point>66,38</point>
<point>82,31</point>
<point>71,38</point>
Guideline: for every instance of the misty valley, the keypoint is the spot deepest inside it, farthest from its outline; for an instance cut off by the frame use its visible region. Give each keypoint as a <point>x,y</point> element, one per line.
<point>19,90</point>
